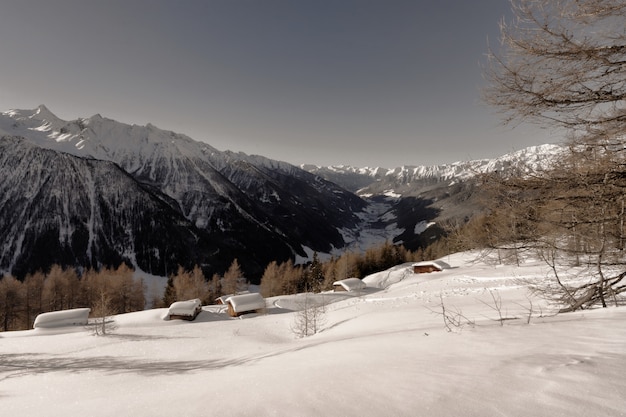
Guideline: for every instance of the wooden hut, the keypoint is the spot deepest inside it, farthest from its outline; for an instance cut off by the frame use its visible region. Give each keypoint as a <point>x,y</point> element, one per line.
<point>429,266</point>
<point>349,284</point>
<point>185,310</point>
<point>222,299</point>
<point>245,303</point>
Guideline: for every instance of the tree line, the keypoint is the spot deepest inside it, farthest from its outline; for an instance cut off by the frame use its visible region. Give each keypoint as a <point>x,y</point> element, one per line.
<point>287,278</point>
<point>111,291</point>
<point>62,288</point>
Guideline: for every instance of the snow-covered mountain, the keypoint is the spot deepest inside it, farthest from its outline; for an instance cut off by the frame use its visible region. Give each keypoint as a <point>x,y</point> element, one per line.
<point>234,204</point>
<point>57,208</point>
<point>411,180</point>
<point>410,196</point>
<point>93,191</point>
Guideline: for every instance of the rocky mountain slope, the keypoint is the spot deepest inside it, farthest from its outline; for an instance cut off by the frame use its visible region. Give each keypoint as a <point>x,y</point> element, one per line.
<point>417,200</point>
<point>236,206</point>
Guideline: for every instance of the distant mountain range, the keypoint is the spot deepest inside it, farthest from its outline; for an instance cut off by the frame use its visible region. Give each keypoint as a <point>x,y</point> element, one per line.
<point>408,180</point>
<point>92,192</point>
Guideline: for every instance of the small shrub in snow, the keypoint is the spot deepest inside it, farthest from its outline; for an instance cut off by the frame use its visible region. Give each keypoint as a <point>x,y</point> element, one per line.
<point>310,318</point>
<point>453,318</point>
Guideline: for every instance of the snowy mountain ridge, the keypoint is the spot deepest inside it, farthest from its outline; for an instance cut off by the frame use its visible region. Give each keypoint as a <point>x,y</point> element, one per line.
<point>223,204</point>
<point>531,159</point>
<point>106,139</point>
<point>234,203</point>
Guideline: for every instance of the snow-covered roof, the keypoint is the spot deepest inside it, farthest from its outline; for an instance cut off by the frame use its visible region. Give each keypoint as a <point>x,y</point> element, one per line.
<point>246,302</point>
<point>222,299</point>
<point>351,284</point>
<point>185,308</point>
<point>73,317</point>
<point>438,264</point>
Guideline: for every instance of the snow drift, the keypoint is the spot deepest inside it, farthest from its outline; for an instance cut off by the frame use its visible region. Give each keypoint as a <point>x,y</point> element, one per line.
<point>73,317</point>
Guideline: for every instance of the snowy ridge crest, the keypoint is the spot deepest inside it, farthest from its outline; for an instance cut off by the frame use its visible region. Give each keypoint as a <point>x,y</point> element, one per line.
<point>531,159</point>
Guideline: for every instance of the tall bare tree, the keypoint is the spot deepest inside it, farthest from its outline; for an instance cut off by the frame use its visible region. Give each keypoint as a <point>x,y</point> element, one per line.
<point>270,281</point>
<point>190,284</point>
<point>562,64</point>
<point>233,281</point>
<point>33,297</point>
<point>11,300</point>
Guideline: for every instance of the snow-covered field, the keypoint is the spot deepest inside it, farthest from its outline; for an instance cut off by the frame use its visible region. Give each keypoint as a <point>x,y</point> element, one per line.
<point>384,352</point>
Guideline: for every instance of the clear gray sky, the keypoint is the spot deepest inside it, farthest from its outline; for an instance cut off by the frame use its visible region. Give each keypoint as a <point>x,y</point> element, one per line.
<point>359,82</point>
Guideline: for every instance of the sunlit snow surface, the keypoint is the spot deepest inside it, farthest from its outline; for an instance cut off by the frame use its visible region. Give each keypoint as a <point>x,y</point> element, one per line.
<point>383,352</point>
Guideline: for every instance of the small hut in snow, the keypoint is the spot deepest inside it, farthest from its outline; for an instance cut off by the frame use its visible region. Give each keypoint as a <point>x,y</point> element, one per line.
<point>222,299</point>
<point>185,310</point>
<point>429,266</point>
<point>73,317</point>
<point>245,303</point>
<point>349,284</point>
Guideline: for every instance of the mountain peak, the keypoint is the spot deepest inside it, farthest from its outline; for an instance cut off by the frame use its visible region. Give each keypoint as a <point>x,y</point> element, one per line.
<point>42,109</point>
<point>42,113</point>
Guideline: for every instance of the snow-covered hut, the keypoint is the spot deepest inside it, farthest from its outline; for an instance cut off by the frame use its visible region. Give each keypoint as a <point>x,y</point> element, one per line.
<point>222,299</point>
<point>349,284</point>
<point>429,266</point>
<point>73,317</point>
<point>185,310</point>
<point>245,303</point>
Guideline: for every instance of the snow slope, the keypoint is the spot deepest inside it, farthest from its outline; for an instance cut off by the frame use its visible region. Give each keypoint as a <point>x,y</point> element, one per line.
<point>384,352</point>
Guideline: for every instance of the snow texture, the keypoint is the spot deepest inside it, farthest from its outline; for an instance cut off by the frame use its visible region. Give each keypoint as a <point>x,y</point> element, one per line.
<point>386,350</point>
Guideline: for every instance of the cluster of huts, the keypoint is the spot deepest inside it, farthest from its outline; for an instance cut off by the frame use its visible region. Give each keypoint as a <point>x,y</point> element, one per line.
<point>246,302</point>
<point>429,266</point>
<point>236,304</point>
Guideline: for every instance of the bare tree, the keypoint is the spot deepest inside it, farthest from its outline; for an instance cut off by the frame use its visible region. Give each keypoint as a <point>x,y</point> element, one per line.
<point>33,297</point>
<point>453,318</point>
<point>310,317</point>
<point>190,284</point>
<point>270,281</point>
<point>563,65</point>
<point>233,281</point>
<point>11,300</point>
<point>102,311</point>
<point>56,289</point>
